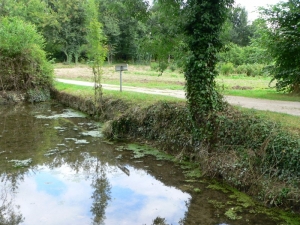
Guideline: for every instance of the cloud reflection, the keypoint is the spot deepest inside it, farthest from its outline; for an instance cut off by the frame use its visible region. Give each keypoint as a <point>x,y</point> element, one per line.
<point>62,196</point>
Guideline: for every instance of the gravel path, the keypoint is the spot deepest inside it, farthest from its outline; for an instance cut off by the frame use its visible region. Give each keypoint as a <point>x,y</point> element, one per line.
<point>292,108</point>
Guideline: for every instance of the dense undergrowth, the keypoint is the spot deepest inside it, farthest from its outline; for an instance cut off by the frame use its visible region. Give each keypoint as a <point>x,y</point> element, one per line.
<point>248,152</point>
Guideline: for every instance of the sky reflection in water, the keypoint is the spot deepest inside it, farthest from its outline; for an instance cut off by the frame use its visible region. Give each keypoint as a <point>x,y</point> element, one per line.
<point>60,196</point>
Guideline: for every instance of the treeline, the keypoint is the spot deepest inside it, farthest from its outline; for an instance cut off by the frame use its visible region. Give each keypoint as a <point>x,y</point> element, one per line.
<point>138,32</point>
<point>134,30</point>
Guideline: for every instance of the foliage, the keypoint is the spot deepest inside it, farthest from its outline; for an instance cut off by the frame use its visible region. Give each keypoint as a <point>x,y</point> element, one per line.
<point>242,55</point>
<point>280,36</point>
<point>227,68</point>
<point>66,30</point>
<point>164,41</point>
<point>123,25</point>
<point>96,49</point>
<point>23,64</point>
<point>204,21</point>
<point>239,32</point>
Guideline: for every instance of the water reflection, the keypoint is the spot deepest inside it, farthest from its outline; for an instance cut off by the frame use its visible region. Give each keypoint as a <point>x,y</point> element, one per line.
<point>9,214</point>
<point>75,178</point>
<point>54,196</point>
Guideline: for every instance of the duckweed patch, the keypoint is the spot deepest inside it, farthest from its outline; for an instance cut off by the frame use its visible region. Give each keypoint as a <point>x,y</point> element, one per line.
<point>218,187</point>
<point>217,204</point>
<point>243,199</point>
<point>57,151</point>
<point>21,163</point>
<point>140,151</point>
<point>289,218</point>
<point>232,213</point>
<point>197,190</point>
<point>195,173</point>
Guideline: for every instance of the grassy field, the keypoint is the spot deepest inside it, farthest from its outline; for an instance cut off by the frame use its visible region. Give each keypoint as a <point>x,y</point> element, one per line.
<point>144,76</point>
<point>144,100</point>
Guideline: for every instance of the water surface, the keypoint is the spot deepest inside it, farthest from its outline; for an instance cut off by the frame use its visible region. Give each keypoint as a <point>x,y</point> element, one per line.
<point>56,168</point>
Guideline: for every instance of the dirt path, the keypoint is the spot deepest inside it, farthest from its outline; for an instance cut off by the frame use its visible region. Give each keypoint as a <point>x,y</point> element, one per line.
<point>292,108</point>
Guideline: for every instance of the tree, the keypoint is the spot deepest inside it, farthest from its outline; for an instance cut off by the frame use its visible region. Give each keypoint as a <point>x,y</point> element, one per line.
<point>240,31</point>
<point>164,38</point>
<point>23,64</point>
<point>202,26</point>
<point>280,35</point>
<point>67,29</point>
<point>96,49</point>
<point>204,21</point>
<point>123,25</point>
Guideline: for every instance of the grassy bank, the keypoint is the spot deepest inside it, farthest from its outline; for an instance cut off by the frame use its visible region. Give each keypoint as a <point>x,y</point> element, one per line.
<point>247,151</point>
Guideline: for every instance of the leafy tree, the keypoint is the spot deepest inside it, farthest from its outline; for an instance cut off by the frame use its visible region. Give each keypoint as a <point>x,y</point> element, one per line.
<point>164,39</point>
<point>281,38</point>
<point>240,31</point>
<point>96,49</point>
<point>67,29</point>
<point>23,64</point>
<point>123,25</point>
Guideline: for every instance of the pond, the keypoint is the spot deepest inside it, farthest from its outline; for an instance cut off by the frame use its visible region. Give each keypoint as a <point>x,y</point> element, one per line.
<point>56,168</point>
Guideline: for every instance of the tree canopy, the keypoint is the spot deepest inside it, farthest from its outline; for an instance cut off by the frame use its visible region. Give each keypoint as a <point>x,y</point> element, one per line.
<point>280,35</point>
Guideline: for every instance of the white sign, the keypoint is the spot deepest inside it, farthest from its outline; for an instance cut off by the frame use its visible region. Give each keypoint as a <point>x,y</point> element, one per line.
<point>122,67</point>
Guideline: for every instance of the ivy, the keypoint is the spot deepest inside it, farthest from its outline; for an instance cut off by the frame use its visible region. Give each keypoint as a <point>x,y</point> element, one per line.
<point>204,20</point>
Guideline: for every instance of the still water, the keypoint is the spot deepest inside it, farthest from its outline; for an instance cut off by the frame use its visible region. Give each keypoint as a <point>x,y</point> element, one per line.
<point>57,169</point>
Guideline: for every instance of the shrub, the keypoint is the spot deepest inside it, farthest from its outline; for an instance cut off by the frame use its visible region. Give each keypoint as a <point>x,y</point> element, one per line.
<point>154,66</point>
<point>250,69</point>
<point>227,68</point>
<point>23,64</point>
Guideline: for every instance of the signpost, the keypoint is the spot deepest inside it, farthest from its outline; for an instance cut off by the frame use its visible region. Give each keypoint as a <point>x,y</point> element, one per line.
<point>121,67</point>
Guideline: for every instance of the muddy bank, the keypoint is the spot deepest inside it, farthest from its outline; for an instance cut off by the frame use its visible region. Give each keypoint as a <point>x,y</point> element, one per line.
<point>11,97</point>
<point>251,154</point>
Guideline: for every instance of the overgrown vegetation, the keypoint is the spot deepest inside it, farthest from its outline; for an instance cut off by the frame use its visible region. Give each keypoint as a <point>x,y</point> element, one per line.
<point>250,153</point>
<point>23,64</point>
<point>247,151</point>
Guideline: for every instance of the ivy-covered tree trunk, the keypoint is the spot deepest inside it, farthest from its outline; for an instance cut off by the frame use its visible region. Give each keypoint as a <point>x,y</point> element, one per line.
<point>203,26</point>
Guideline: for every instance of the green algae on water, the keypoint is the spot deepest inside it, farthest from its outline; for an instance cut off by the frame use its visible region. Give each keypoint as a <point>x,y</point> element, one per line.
<point>140,151</point>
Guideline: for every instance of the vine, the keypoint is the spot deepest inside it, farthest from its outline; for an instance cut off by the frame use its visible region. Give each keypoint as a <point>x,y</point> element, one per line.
<point>204,20</point>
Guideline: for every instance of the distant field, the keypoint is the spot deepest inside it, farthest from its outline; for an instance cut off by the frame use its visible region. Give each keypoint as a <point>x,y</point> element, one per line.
<point>144,76</point>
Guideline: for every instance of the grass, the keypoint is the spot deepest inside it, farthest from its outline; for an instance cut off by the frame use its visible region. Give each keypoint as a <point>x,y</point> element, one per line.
<point>137,76</point>
<point>143,76</point>
<point>131,97</point>
<point>285,120</point>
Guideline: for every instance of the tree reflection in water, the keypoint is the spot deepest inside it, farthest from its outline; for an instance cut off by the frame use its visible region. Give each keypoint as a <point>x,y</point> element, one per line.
<point>7,214</point>
<point>101,194</point>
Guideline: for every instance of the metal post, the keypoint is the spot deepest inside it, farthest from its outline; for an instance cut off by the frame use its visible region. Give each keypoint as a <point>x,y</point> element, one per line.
<point>121,78</point>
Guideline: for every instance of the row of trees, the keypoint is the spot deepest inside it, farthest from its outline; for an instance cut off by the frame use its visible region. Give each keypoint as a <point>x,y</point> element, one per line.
<point>135,31</point>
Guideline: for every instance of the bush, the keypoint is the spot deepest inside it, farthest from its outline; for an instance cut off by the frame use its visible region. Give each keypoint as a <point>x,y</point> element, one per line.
<point>250,69</point>
<point>23,64</point>
<point>154,66</point>
<point>227,68</point>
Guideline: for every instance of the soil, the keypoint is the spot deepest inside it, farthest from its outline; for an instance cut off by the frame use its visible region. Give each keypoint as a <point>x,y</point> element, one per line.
<point>292,108</point>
